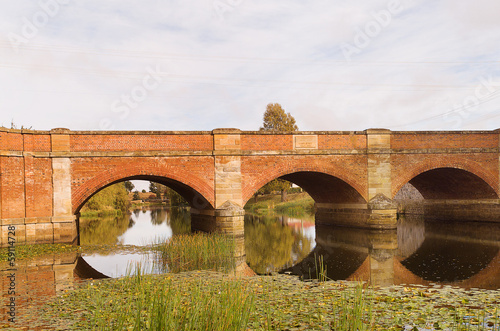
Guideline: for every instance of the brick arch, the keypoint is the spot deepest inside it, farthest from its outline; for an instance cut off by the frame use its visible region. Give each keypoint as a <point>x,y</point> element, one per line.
<point>474,168</point>
<point>292,172</point>
<point>196,191</point>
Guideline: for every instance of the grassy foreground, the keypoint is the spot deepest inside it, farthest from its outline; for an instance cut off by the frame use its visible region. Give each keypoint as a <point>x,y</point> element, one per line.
<point>215,301</point>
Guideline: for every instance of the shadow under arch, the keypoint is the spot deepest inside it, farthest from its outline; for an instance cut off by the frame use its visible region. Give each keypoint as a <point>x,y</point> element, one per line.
<point>452,183</point>
<point>339,266</point>
<point>350,254</point>
<point>459,181</point>
<point>449,194</point>
<point>322,187</point>
<point>330,185</point>
<point>325,188</point>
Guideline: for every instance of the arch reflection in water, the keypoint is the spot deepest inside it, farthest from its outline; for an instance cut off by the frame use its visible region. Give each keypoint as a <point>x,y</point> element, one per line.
<point>460,254</point>
<point>142,227</point>
<point>273,243</point>
<point>465,254</point>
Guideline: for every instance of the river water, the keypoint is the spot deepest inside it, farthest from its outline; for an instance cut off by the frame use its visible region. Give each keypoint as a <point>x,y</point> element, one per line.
<point>459,254</point>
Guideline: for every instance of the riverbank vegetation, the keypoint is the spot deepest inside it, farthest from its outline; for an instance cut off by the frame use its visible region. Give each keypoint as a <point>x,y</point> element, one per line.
<point>297,205</point>
<point>110,201</point>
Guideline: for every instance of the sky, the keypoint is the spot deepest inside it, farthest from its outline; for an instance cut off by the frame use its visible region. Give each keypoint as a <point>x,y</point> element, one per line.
<point>200,65</point>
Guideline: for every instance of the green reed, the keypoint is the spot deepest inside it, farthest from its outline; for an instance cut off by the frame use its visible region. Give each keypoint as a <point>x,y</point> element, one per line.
<point>198,251</point>
<point>355,311</point>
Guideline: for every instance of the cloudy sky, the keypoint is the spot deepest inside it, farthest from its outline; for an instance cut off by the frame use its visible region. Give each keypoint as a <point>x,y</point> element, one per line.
<point>200,65</point>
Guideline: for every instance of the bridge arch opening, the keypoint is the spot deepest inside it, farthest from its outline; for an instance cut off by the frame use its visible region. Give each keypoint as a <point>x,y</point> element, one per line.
<point>449,194</point>
<point>194,198</point>
<point>274,244</point>
<point>99,227</point>
<point>322,187</point>
<point>450,183</point>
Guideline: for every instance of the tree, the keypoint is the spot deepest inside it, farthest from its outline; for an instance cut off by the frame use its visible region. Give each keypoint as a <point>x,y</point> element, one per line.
<point>175,198</point>
<point>275,119</point>
<point>153,187</point>
<point>156,188</point>
<point>136,196</point>
<point>129,186</point>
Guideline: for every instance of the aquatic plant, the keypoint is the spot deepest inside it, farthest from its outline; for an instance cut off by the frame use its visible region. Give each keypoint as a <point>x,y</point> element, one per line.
<point>198,251</point>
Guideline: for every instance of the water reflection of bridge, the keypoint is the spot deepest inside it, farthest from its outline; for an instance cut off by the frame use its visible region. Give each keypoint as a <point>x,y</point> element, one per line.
<point>417,254</point>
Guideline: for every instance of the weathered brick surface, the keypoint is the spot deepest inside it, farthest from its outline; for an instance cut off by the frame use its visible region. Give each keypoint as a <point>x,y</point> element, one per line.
<point>12,181</point>
<point>347,141</point>
<point>138,142</point>
<point>12,141</point>
<point>444,140</point>
<point>266,142</point>
<point>38,187</point>
<point>37,143</point>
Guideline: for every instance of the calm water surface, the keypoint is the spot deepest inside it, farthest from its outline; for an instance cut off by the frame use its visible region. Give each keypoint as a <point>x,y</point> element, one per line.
<point>141,228</point>
<point>459,254</point>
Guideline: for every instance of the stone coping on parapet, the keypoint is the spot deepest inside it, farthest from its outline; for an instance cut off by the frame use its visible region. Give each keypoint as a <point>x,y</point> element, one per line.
<point>238,131</point>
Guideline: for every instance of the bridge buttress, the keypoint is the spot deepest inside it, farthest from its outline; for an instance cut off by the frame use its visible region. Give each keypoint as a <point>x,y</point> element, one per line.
<point>64,222</point>
<point>228,216</point>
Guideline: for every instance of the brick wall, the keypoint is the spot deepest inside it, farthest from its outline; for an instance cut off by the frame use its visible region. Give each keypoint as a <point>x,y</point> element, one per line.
<point>140,142</point>
<point>12,182</point>
<point>419,140</point>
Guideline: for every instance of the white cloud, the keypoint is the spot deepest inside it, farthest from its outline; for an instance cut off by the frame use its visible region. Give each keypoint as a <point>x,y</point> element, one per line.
<point>221,71</point>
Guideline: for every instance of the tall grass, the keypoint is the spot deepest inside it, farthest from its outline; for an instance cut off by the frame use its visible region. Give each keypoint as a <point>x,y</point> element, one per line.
<point>200,305</point>
<point>198,251</point>
<point>355,311</point>
<point>321,269</point>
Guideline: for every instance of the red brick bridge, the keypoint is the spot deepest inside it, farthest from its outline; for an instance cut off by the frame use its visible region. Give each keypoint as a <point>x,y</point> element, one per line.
<point>47,176</point>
